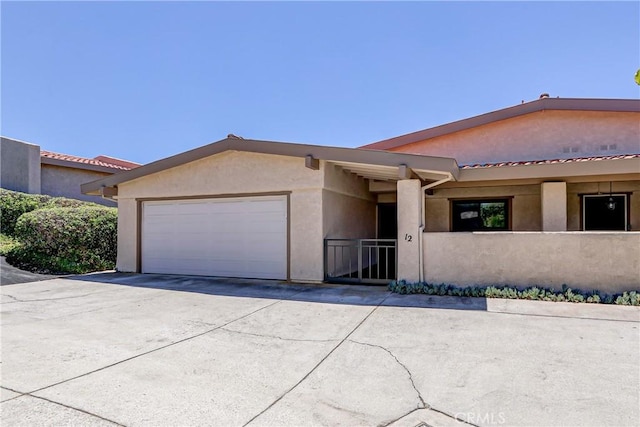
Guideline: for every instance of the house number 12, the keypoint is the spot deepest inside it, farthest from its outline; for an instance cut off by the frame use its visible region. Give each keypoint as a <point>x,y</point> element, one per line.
<point>408,237</point>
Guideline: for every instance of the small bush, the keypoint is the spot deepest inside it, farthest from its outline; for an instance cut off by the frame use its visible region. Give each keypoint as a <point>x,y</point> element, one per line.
<point>628,298</point>
<point>66,240</point>
<point>511,292</point>
<point>13,204</point>
<point>7,243</point>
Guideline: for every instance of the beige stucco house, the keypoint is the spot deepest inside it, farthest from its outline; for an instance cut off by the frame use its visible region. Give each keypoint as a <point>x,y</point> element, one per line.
<point>25,167</point>
<point>542,213</point>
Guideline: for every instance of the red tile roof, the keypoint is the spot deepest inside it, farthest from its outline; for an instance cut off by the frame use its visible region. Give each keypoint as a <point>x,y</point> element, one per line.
<point>104,161</point>
<point>118,162</point>
<point>549,162</point>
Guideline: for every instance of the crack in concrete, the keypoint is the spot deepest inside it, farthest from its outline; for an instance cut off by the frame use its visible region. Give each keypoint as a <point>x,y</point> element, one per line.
<point>282,396</point>
<point>403,416</point>
<point>276,337</point>
<point>453,417</point>
<point>423,404</point>
<point>48,299</point>
<point>49,319</point>
<point>429,408</point>
<point>12,297</point>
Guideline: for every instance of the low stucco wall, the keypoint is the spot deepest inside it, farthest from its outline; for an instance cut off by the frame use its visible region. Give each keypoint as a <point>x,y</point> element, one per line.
<point>606,261</point>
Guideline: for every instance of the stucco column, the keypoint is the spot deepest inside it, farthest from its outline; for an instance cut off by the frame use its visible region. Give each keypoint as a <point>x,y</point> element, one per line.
<point>408,232</point>
<point>554,206</point>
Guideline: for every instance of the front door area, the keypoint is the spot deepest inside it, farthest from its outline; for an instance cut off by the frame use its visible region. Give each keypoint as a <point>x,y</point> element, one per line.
<point>387,220</point>
<point>371,261</point>
<point>604,212</point>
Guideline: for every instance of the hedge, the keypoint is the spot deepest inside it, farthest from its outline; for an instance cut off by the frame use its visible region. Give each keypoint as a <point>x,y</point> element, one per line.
<point>13,204</point>
<point>510,292</point>
<point>66,240</point>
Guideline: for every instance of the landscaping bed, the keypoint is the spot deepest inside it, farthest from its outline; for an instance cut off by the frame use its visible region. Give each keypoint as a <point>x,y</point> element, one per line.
<point>511,292</point>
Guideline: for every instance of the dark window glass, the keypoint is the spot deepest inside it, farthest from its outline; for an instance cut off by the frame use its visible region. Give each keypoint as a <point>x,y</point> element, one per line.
<point>605,213</point>
<point>478,215</point>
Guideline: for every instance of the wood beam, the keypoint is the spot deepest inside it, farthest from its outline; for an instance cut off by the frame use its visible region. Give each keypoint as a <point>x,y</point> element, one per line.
<point>311,163</point>
<point>404,172</point>
<point>108,191</point>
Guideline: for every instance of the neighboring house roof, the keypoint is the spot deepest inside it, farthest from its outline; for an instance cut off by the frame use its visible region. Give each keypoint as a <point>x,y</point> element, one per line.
<point>117,162</point>
<point>100,163</point>
<point>571,104</point>
<point>368,163</point>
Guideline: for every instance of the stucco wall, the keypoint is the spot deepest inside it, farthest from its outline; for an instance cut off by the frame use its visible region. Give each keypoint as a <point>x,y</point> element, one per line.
<point>553,199</point>
<point>348,208</point>
<point>348,212</point>
<point>237,173</point>
<point>127,235</point>
<point>575,190</point>
<point>59,181</point>
<point>347,217</point>
<point>540,135</point>
<point>525,206</point>
<point>19,166</point>
<point>606,261</point>
<point>409,200</point>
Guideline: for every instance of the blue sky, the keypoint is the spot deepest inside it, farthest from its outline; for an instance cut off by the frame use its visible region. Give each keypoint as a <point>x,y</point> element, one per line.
<point>144,80</point>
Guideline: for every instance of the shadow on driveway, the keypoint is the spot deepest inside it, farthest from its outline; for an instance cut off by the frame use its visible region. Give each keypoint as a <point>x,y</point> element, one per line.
<point>10,275</point>
<point>365,295</point>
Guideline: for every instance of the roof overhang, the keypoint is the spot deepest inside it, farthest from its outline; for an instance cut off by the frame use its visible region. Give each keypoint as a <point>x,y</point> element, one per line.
<point>391,173</point>
<point>371,164</point>
<point>553,170</point>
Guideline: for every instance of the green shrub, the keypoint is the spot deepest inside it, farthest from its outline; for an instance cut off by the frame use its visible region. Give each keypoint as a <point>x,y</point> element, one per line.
<point>66,240</point>
<point>628,298</point>
<point>7,243</point>
<point>512,292</point>
<point>13,204</point>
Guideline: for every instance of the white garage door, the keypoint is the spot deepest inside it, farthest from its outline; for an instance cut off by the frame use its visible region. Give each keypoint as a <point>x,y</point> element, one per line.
<point>234,237</point>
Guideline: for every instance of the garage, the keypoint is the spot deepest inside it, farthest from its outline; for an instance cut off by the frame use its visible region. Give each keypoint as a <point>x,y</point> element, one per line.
<point>242,237</point>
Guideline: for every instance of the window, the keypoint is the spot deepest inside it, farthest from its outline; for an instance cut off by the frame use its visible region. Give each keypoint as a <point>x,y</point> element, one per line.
<point>604,212</point>
<point>608,147</point>
<point>480,215</point>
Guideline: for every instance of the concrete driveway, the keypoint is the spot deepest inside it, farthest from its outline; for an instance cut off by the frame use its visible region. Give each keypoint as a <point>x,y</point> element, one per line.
<point>155,350</point>
<point>10,275</point>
